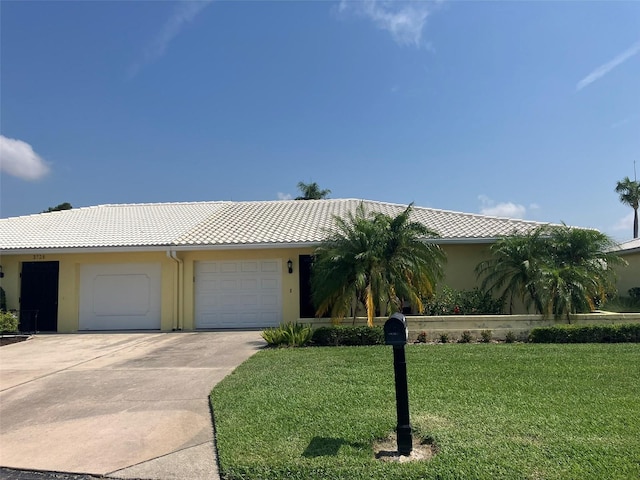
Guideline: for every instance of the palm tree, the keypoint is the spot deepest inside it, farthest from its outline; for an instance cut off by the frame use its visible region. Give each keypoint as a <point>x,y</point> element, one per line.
<point>513,271</point>
<point>311,191</point>
<point>560,270</point>
<point>629,191</point>
<point>345,266</point>
<point>58,208</point>
<point>377,261</point>
<point>578,274</point>
<point>412,267</point>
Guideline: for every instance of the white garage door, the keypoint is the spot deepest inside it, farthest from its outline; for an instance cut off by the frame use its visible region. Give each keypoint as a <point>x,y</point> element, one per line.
<point>238,294</point>
<point>120,297</point>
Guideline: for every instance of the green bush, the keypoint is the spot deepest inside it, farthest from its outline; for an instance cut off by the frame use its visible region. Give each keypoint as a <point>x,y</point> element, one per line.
<point>8,322</point>
<point>462,302</point>
<point>510,337</point>
<point>486,335</point>
<point>422,337</point>
<point>288,334</point>
<point>620,333</point>
<point>466,337</point>
<point>444,338</point>
<point>634,292</point>
<point>348,335</point>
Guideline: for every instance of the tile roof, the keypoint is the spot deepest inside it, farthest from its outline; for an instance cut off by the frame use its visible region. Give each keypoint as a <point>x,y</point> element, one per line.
<point>104,226</point>
<point>225,223</point>
<point>629,247</point>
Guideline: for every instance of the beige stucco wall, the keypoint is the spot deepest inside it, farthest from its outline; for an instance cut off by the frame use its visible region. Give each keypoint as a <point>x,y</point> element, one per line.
<point>461,263</point>
<point>628,277</point>
<point>69,281</point>
<point>177,291</point>
<point>173,308</point>
<point>499,325</point>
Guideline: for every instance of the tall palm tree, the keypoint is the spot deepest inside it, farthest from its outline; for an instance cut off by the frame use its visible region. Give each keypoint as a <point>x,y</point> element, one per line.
<point>377,261</point>
<point>629,191</point>
<point>311,191</point>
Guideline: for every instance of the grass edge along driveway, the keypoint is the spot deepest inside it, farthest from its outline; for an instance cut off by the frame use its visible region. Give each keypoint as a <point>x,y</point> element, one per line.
<point>492,411</point>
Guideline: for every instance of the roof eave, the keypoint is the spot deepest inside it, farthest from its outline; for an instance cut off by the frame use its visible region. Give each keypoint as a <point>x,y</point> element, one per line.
<point>208,246</point>
<point>154,248</point>
<point>463,240</point>
<point>99,249</point>
<point>628,251</point>
<point>242,246</point>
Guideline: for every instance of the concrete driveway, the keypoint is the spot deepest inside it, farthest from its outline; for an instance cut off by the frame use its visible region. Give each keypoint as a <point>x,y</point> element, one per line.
<point>126,405</point>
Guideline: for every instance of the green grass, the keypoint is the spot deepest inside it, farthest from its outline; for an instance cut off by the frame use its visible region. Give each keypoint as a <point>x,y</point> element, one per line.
<point>519,411</point>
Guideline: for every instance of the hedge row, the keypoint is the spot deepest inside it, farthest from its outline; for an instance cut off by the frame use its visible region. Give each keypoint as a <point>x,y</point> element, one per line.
<point>348,335</point>
<point>620,333</point>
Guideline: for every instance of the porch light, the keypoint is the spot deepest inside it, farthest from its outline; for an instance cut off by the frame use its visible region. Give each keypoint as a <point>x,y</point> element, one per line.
<point>290,266</point>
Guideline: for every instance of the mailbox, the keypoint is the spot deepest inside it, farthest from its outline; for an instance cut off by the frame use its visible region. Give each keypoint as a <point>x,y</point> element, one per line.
<point>395,330</point>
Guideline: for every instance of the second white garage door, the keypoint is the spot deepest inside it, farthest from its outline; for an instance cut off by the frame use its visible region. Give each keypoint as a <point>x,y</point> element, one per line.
<point>238,294</point>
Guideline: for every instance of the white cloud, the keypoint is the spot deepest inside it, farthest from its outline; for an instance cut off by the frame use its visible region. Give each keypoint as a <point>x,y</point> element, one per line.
<point>284,196</point>
<point>503,209</point>
<point>17,158</point>
<point>403,20</point>
<point>185,12</point>
<point>602,70</point>
<point>625,121</point>
<point>624,224</point>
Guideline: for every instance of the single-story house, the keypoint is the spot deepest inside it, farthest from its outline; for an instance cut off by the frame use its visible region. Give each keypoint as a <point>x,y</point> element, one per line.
<point>629,277</point>
<point>203,265</point>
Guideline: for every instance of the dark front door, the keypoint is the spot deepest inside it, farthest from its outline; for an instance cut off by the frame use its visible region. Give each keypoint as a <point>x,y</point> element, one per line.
<point>39,297</point>
<point>306,302</point>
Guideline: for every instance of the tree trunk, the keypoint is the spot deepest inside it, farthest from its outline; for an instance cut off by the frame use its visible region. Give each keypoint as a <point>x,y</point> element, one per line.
<point>635,223</point>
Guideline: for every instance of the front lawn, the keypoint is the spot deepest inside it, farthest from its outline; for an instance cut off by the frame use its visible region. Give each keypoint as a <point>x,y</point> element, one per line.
<point>492,410</point>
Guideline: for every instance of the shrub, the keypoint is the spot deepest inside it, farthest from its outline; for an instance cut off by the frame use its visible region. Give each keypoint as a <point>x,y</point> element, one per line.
<point>466,337</point>
<point>510,337</point>
<point>462,302</point>
<point>620,333</point>
<point>634,292</point>
<point>444,338</point>
<point>348,335</point>
<point>8,322</point>
<point>422,337</point>
<point>486,335</point>
<point>288,334</point>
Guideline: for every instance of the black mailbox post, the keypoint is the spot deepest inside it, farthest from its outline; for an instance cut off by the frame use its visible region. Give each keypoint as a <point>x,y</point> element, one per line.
<point>395,334</point>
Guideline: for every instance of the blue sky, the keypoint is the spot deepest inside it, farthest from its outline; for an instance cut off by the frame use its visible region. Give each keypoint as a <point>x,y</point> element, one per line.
<point>522,109</point>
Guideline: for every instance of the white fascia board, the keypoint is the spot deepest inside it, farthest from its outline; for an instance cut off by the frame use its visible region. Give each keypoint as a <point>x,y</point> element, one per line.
<point>628,251</point>
<point>154,248</point>
<point>242,246</point>
<point>462,241</point>
<point>226,246</point>
<point>67,250</point>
